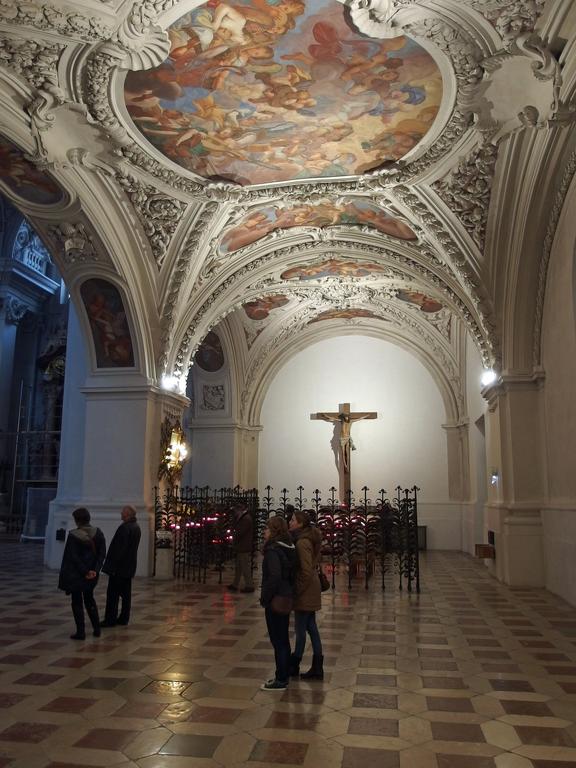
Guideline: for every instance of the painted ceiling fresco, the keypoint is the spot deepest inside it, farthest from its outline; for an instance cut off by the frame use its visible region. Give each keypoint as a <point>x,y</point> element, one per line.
<point>271,90</point>
<point>108,323</point>
<point>426,303</point>
<point>260,223</point>
<point>332,268</point>
<point>24,179</point>
<point>344,314</point>
<point>260,308</point>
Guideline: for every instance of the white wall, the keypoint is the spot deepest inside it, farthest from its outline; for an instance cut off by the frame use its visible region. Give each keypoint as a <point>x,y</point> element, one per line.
<point>406,445</point>
<point>559,363</point>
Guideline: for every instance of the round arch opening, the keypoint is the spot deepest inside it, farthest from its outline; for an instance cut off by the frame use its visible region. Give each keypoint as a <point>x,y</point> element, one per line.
<point>405,445</point>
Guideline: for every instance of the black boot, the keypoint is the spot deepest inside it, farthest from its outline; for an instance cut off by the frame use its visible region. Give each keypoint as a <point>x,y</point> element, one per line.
<point>78,613</point>
<point>316,671</point>
<point>295,665</point>
<point>92,612</point>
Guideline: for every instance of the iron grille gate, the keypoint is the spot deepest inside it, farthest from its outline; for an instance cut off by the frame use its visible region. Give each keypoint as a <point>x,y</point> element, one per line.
<point>378,538</point>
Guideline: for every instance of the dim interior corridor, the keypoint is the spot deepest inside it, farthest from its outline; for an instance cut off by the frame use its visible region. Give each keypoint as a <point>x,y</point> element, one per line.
<point>468,674</point>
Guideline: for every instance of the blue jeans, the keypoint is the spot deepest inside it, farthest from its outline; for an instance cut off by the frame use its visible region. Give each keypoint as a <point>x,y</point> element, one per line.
<point>278,631</point>
<point>305,621</point>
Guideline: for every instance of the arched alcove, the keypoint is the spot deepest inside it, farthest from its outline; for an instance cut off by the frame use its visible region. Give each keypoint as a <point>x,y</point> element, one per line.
<point>405,445</point>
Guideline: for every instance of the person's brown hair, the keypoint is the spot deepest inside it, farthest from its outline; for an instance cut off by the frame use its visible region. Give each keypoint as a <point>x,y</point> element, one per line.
<point>278,527</point>
<point>303,518</point>
<point>81,516</point>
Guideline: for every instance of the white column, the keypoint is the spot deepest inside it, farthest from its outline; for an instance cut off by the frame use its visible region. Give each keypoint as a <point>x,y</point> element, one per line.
<point>110,451</point>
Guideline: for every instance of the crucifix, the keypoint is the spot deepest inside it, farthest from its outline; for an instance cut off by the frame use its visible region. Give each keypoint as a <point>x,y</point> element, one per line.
<point>344,420</point>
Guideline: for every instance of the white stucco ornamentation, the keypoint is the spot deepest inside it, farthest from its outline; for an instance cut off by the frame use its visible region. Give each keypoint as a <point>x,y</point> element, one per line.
<point>466,190</point>
<point>205,317</point>
<point>375,18</point>
<point>511,17</point>
<point>520,88</point>
<point>159,214</point>
<point>186,257</point>
<point>74,245</point>
<point>35,61</point>
<point>70,24</point>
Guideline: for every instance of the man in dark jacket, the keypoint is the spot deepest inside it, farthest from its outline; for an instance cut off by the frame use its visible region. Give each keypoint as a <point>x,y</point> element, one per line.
<point>120,565</point>
<point>243,541</point>
<point>81,562</point>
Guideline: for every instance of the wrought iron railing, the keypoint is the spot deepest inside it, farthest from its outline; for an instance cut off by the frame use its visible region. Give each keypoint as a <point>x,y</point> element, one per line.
<point>363,536</point>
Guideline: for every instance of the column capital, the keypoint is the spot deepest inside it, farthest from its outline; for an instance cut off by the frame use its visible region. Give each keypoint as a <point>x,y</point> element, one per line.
<point>13,309</point>
<point>509,382</point>
<point>457,425</point>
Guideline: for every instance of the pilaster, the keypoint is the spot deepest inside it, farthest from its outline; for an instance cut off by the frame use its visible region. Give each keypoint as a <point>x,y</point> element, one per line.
<point>516,468</point>
<point>111,454</point>
<point>458,460</point>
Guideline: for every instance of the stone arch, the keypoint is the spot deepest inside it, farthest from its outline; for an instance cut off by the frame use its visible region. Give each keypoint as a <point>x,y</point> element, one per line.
<point>451,398</point>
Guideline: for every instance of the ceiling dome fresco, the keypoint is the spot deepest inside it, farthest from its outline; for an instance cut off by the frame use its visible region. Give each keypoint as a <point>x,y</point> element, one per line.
<point>264,91</point>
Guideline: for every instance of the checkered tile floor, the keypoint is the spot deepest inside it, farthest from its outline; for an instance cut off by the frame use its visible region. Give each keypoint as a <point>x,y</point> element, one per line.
<point>470,674</point>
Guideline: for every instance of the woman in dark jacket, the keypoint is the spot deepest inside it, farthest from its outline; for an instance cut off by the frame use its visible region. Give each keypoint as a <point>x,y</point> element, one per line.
<point>278,571</point>
<point>308,598</point>
<point>84,554</point>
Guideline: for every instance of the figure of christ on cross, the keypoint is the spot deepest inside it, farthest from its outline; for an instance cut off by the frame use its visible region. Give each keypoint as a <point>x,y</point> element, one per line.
<point>344,419</point>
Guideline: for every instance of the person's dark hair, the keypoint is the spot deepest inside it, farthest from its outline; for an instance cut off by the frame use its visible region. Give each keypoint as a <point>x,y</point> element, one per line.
<point>289,510</point>
<point>81,516</point>
<point>278,528</point>
<point>303,518</point>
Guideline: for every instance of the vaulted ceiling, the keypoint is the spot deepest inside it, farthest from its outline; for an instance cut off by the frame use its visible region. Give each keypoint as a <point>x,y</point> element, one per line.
<point>289,170</point>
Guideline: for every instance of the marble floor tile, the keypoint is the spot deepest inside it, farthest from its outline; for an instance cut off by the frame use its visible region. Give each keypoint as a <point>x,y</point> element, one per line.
<point>468,674</point>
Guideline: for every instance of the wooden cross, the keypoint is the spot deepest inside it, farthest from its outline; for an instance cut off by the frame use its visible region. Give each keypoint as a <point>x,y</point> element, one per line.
<point>344,419</point>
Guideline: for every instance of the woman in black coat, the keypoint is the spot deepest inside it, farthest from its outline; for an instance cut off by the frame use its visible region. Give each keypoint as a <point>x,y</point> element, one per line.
<point>82,560</point>
<point>278,572</point>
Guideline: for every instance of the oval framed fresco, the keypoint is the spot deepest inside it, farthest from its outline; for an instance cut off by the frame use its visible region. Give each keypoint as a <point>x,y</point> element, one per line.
<point>210,355</point>
<point>260,309</point>
<point>23,179</point>
<point>345,314</point>
<point>259,223</point>
<point>426,303</point>
<point>333,268</point>
<point>264,91</point>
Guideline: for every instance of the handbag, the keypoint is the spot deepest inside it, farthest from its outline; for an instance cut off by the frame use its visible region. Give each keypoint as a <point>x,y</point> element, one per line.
<point>282,604</point>
<point>324,583</point>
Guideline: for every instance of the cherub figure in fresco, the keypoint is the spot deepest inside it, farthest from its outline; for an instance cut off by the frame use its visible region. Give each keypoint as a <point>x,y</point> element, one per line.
<point>359,66</point>
<point>230,23</point>
<point>383,223</point>
<point>261,308</point>
<point>255,226</point>
<point>426,303</point>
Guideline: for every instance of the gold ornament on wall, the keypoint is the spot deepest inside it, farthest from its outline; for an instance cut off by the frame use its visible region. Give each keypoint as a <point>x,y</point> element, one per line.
<point>173,451</point>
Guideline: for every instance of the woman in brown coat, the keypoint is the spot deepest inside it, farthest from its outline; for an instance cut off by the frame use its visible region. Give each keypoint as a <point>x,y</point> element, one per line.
<point>307,598</point>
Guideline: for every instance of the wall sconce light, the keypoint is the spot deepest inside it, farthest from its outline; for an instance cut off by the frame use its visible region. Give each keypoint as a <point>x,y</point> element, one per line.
<point>494,477</point>
<point>488,377</point>
<point>177,451</point>
<point>173,451</point>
